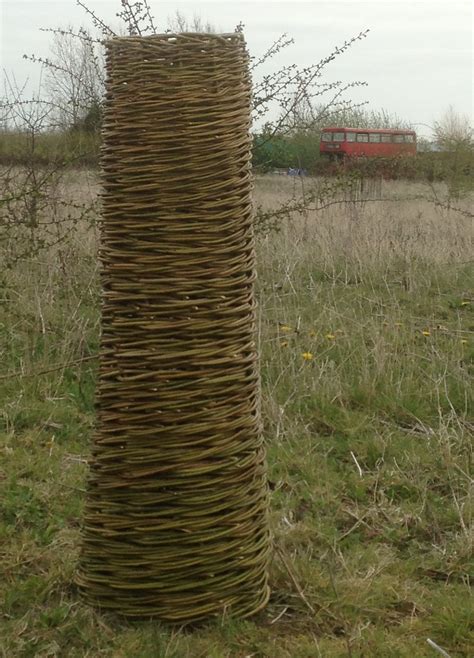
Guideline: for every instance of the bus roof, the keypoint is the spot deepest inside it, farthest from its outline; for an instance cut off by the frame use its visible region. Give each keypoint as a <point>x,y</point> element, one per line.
<point>366,130</point>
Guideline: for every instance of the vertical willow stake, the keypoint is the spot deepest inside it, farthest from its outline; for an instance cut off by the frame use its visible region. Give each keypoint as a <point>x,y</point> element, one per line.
<point>175,524</point>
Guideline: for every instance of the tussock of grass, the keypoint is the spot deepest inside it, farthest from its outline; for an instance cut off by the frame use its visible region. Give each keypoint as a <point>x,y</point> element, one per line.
<point>369,442</point>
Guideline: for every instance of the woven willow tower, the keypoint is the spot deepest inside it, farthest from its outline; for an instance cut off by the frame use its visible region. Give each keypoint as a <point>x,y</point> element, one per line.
<point>175,524</point>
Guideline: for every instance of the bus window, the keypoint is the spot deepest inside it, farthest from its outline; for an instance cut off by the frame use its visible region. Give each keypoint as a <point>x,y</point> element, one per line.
<point>326,137</point>
<point>409,139</point>
<point>399,139</point>
<point>351,137</point>
<point>362,137</point>
<point>374,138</point>
<point>338,137</point>
<point>386,139</point>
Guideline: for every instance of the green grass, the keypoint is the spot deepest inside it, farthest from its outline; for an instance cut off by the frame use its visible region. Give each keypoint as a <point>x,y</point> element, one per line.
<point>369,444</point>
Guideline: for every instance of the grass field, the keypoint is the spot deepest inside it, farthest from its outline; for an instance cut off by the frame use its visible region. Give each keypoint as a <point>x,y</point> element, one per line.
<point>367,341</point>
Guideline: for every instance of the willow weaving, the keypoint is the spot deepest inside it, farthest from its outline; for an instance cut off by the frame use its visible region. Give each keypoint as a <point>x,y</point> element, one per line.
<point>175,523</point>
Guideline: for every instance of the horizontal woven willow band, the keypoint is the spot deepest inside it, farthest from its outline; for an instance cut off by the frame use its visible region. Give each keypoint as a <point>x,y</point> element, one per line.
<point>175,524</point>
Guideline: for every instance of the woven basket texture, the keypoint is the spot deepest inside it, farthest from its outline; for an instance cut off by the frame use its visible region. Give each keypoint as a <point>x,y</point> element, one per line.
<point>175,523</point>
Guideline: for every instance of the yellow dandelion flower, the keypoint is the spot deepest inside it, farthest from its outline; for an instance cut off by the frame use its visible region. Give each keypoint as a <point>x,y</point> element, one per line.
<point>307,356</point>
<point>285,328</point>
<point>330,336</point>
<point>426,333</point>
<point>465,303</point>
<point>463,341</point>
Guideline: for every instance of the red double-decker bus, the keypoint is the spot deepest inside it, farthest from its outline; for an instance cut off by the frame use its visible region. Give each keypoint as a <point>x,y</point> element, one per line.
<point>366,142</point>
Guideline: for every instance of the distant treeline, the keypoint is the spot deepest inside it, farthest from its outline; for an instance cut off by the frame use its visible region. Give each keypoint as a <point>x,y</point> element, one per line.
<point>300,151</point>
<point>81,148</point>
<point>73,148</point>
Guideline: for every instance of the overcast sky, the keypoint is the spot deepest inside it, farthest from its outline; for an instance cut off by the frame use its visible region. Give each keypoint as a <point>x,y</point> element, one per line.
<point>417,59</point>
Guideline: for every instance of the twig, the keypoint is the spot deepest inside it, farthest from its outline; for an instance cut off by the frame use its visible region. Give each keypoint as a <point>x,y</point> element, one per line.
<point>278,617</point>
<point>437,648</point>
<point>353,527</point>
<point>357,464</point>
<point>291,574</point>
<point>69,486</point>
<point>62,366</point>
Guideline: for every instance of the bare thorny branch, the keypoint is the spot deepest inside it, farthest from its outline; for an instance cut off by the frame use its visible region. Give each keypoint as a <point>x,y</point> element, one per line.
<point>290,86</point>
<point>75,80</point>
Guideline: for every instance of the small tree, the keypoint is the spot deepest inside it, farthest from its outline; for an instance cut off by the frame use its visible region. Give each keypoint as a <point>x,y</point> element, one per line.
<point>180,23</point>
<point>454,134</point>
<point>74,77</point>
<point>453,130</point>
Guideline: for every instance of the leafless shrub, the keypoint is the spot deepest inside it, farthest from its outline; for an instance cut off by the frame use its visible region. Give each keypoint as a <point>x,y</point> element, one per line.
<point>35,213</point>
